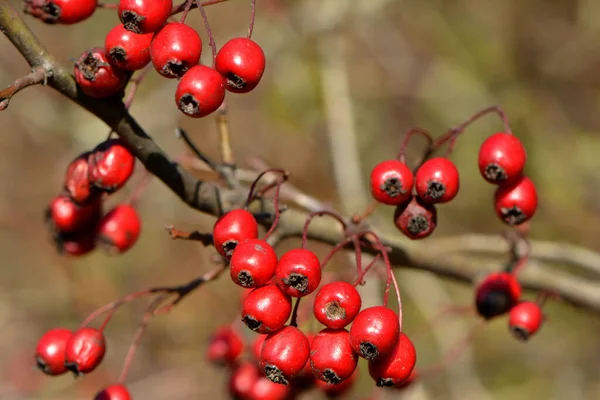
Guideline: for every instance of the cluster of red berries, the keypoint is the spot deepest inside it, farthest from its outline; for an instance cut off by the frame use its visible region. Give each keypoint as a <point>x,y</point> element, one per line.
<point>75,216</point>
<point>60,350</point>
<point>501,161</point>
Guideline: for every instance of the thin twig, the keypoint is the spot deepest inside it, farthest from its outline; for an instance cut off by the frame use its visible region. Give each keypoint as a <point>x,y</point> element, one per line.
<point>37,76</point>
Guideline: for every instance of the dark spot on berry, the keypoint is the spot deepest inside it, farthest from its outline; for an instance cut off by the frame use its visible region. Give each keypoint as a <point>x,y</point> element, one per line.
<point>41,365</point>
<point>520,333</point>
<point>245,279</point>
<point>513,215</point>
<point>368,350</point>
<point>252,323</point>
<point>131,21</point>
<point>228,247</point>
<point>435,190</point>
<point>175,68</point>
<point>392,187</point>
<point>334,311</point>
<point>235,81</point>
<point>89,66</point>
<point>71,366</point>
<point>275,375</point>
<point>188,104</point>
<point>297,281</point>
<point>494,303</point>
<point>331,377</point>
<point>417,225</point>
<point>385,382</point>
<point>48,12</point>
<point>118,54</point>
<point>495,173</point>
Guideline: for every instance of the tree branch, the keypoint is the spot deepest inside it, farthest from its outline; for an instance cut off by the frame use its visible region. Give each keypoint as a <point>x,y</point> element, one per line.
<point>203,196</point>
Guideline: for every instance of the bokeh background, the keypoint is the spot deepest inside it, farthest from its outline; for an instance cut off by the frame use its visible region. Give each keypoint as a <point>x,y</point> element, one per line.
<point>343,76</point>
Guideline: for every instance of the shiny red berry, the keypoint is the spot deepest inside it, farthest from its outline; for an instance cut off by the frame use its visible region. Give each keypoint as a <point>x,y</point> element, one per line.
<point>525,319</point>
<point>114,392</point>
<point>60,11</point>
<point>119,229</point>
<point>144,16</point>
<point>77,182</point>
<point>110,165</point>
<point>516,202</point>
<point>225,346</point>
<point>497,294</point>
<point>127,50</point>
<point>266,309</point>
<point>264,389</point>
<point>68,217</point>
<point>78,243</point>
<point>332,358</point>
<point>298,272</point>
<point>396,367</point>
<point>391,182</point>
<point>502,158</point>
<point>437,181</point>
<point>232,228</point>
<point>175,48</point>
<point>284,354</point>
<point>242,62</point>
<point>242,380</point>
<point>417,219</point>
<point>337,304</point>
<point>50,351</point>
<point>96,77</point>
<point>85,350</point>
<point>253,263</point>
<point>374,332</point>
<point>340,389</point>
<point>200,92</point>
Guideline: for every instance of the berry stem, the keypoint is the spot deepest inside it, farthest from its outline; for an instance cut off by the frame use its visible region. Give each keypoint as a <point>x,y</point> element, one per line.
<point>333,251</point>
<point>407,136</point>
<point>139,189</point>
<point>187,7</point>
<point>310,217</point>
<point>360,278</point>
<point>252,18</point>
<point>357,254</point>
<point>293,320</point>
<point>181,7</point>
<point>211,38</point>
<point>253,195</point>
<point>108,6</point>
<point>179,132</point>
<point>224,136</point>
<point>279,182</point>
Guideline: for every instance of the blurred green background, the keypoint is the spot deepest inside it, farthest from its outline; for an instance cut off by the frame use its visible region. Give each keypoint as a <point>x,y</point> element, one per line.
<point>380,65</point>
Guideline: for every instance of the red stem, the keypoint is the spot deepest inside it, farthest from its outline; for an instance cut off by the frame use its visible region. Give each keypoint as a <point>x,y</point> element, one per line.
<point>310,217</point>
<point>407,136</point>
<point>211,39</point>
<point>280,182</point>
<point>251,193</point>
<point>359,280</point>
<point>187,7</point>
<point>252,18</point>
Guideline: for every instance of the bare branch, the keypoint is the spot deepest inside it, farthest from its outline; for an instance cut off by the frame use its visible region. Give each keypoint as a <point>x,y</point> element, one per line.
<point>36,77</point>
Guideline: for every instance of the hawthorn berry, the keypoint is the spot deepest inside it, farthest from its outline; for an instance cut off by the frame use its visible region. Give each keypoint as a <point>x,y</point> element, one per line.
<point>256,347</point>
<point>85,350</point>
<point>127,50</point>
<point>253,263</point>
<point>337,304</point>
<point>392,182</point>
<point>264,389</point>
<point>266,309</point>
<point>437,181</point>
<point>497,294</point>
<point>77,243</point>
<point>96,77</point>
<point>332,357</point>
<point>416,219</point>
<point>284,354</point>
<point>60,11</point>
<point>502,158</point>
<point>298,272</point>
<point>242,380</point>
<point>175,48</point>
<point>144,16</point>
<point>114,392</point>
<point>231,228</point>
<point>200,91</point>
<point>50,351</point>
<point>525,319</point>
<point>516,202</point>
<point>337,390</point>
<point>68,217</point>
<point>110,165</point>
<point>119,229</point>
<point>225,346</point>
<point>242,62</point>
<point>77,182</point>
<point>374,332</point>
<point>395,368</point>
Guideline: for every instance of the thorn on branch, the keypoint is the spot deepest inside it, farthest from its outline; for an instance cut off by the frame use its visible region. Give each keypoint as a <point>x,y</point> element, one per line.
<point>38,76</point>
<point>205,238</point>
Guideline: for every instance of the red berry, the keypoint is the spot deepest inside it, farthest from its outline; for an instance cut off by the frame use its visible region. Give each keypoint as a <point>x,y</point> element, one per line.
<point>232,228</point>
<point>127,50</point>
<point>77,243</point>
<point>340,389</point>
<point>144,16</point>
<point>175,48</point>
<point>264,389</point>
<point>110,165</point>
<point>120,228</point>
<point>298,272</point>
<point>266,309</point>
<point>331,356</point>
<point>497,294</point>
<point>502,158</point>
<point>242,62</point>
<point>68,217</point>
<point>374,332</point>
<point>96,77</point>
<point>392,182</point>
<point>50,351</point>
<point>77,182</point>
<point>114,392</point>
<point>85,350</point>
<point>437,181</point>
<point>516,202</point>
<point>242,380</point>
<point>200,92</point>
<point>61,11</point>
<point>284,354</point>
<point>525,319</point>
<point>253,263</point>
<point>257,346</point>
<point>395,368</point>
<point>225,346</point>
<point>417,219</point>
<point>336,304</point>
